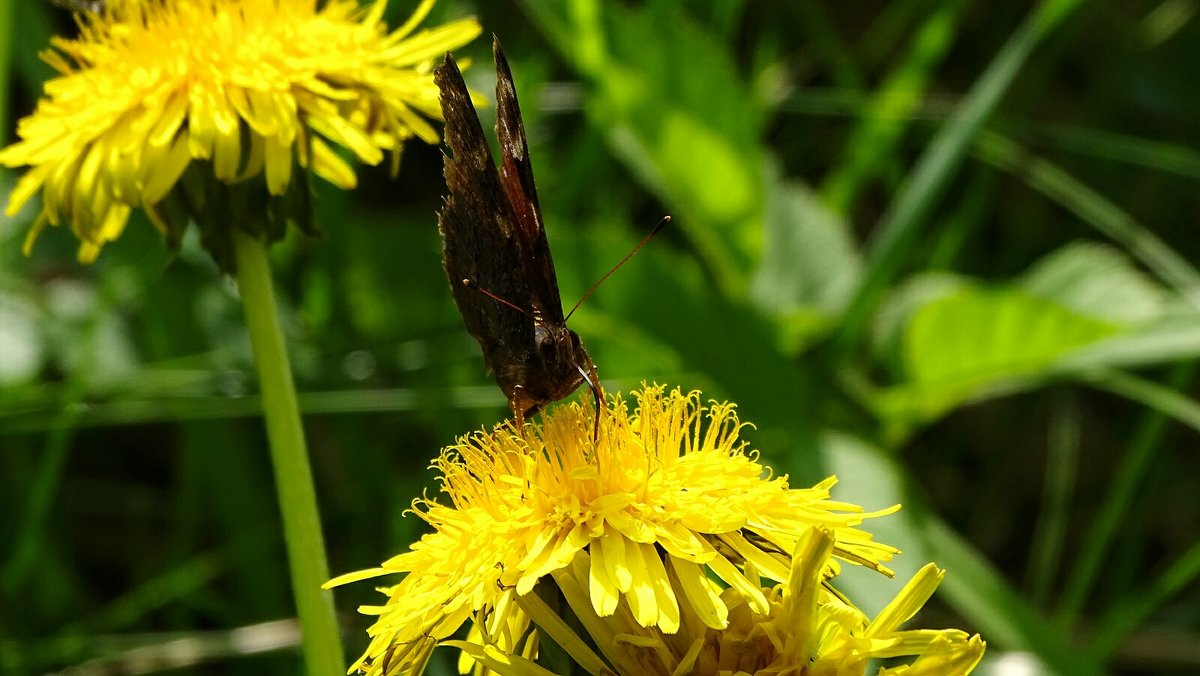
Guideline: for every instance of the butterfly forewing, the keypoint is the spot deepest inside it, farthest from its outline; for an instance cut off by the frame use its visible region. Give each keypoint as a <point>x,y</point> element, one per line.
<point>479,231</point>
<point>516,174</point>
<point>493,237</point>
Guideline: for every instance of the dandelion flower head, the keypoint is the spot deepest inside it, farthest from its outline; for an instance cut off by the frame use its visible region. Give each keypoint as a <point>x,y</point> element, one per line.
<point>809,629</point>
<point>666,497</point>
<point>233,90</point>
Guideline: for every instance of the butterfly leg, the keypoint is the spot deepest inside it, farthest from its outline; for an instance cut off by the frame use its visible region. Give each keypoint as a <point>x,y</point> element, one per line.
<point>593,382</point>
<point>521,404</point>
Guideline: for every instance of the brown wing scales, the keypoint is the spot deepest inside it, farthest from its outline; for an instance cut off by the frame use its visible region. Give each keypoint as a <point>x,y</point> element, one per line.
<point>493,235</point>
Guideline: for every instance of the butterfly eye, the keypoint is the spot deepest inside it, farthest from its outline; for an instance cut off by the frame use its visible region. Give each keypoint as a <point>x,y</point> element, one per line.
<point>542,338</point>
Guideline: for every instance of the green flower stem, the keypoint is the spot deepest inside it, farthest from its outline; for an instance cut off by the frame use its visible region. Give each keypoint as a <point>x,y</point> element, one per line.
<point>289,455</point>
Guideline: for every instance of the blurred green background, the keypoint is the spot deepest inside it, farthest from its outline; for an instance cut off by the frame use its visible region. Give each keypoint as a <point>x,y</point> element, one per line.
<point>942,249</point>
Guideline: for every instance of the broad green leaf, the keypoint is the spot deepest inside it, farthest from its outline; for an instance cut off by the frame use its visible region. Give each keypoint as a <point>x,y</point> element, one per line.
<point>1084,306</point>
<point>1098,281</point>
<point>981,333</point>
<point>20,339</point>
<point>1177,337</point>
<point>810,265</point>
<point>897,311</point>
<point>963,345</point>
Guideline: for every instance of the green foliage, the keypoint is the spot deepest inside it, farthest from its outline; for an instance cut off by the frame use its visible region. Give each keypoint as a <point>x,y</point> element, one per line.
<point>922,243</point>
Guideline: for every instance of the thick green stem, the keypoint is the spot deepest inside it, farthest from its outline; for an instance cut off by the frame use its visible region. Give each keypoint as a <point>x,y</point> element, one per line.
<point>289,456</point>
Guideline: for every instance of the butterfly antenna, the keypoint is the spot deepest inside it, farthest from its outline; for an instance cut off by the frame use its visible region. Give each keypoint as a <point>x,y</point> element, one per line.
<point>470,284</point>
<point>658,228</point>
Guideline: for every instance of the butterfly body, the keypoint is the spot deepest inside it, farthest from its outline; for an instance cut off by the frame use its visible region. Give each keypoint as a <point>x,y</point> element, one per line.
<point>494,241</point>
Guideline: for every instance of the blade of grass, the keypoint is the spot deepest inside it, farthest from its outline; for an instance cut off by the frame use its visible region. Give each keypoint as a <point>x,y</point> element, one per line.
<point>974,588</point>
<point>30,537</point>
<point>1164,21</point>
<point>897,230</point>
<point>1162,402</point>
<point>873,141</point>
<point>889,26</point>
<point>1128,614</point>
<point>827,43</point>
<point>1094,209</point>
<point>154,594</point>
<point>140,411</point>
<point>1049,535</point>
<point>1164,399</point>
<point>836,102</point>
<point>1114,147</point>
<point>998,612</point>
<point>144,653</point>
<point>724,17</point>
<point>30,534</point>
<point>1084,141</point>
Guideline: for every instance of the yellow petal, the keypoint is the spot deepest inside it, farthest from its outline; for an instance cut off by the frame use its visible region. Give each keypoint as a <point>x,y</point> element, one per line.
<point>604,592</point>
<point>908,601</point>
<point>166,170</point>
<point>664,597</point>
<point>612,549</point>
<point>702,598</point>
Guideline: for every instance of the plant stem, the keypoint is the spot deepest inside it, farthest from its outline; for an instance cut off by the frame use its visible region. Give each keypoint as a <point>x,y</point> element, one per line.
<point>289,457</point>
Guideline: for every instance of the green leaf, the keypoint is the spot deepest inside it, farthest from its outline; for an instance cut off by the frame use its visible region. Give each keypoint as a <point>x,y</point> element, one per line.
<point>954,341</point>
<point>652,73</point>
<point>1175,338</point>
<point>20,339</point>
<point>810,266</point>
<point>978,339</point>
<point>980,334</point>
<point>895,314</point>
<point>1098,281</point>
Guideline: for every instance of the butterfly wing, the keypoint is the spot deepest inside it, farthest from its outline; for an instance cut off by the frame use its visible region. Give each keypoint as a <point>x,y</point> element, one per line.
<point>482,237</point>
<point>493,235</point>
<point>516,177</point>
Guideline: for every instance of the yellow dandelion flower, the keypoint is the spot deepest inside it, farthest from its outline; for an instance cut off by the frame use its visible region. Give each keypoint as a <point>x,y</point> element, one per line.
<point>666,497</point>
<point>808,630</point>
<point>243,88</point>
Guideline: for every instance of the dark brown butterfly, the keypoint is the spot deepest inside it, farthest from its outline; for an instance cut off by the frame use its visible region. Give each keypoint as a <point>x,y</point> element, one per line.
<point>496,254</point>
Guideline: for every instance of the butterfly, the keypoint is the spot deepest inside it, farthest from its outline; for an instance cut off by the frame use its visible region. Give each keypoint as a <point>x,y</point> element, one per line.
<point>496,254</point>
